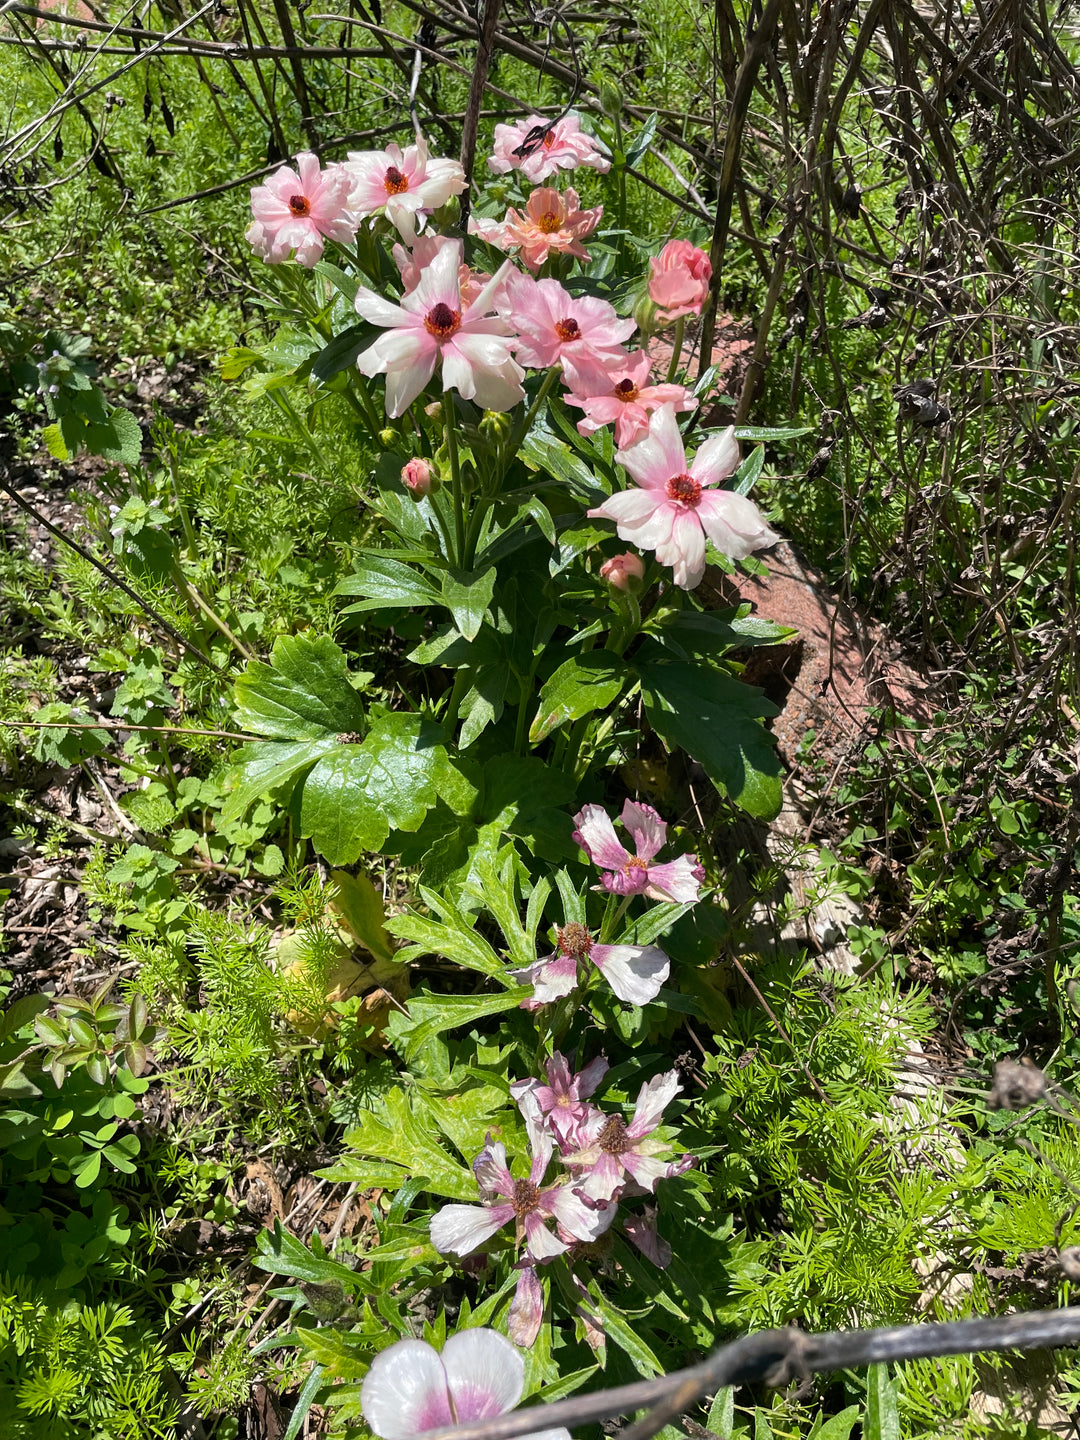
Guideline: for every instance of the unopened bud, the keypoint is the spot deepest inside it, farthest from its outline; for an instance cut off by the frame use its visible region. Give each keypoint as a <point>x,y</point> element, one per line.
<point>434,411</point>
<point>645,315</point>
<point>495,423</point>
<point>623,572</point>
<point>387,438</point>
<point>418,478</point>
<point>610,98</point>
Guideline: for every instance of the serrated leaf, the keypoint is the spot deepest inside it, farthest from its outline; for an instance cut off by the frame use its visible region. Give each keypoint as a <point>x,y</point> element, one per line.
<point>262,768</point>
<point>394,1133</point>
<point>579,686</point>
<point>303,694</point>
<point>54,442</point>
<point>282,1254</point>
<point>450,1011</point>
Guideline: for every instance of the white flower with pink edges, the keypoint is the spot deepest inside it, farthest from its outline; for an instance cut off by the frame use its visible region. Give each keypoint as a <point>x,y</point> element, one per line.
<point>634,972</point>
<point>615,1155</point>
<point>625,874</point>
<point>405,186</point>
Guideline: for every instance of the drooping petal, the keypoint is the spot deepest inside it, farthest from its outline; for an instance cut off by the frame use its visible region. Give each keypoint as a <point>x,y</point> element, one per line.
<point>717,458</point>
<point>527,1311</point>
<point>540,1242</point>
<point>734,523</point>
<point>660,456</point>
<point>685,551</point>
<point>653,1099</point>
<point>595,834</point>
<point>641,1229</point>
<point>634,972</point>
<point>491,1170</point>
<point>646,1169</point>
<point>551,978</point>
<point>481,368</point>
<point>645,825</point>
<point>584,1221</point>
<point>461,1229</point>
<point>678,880</point>
<point>484,1372</point>
<point>404,382</point>
<point>405,1391</point>
<point>589,1078</point>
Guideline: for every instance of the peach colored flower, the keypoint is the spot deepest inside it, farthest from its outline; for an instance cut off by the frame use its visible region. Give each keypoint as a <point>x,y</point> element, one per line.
<point>622,393</point>
<point>679,282</point>
<point>549,148</point>
<point>551,222</point>
<point>296,211</point>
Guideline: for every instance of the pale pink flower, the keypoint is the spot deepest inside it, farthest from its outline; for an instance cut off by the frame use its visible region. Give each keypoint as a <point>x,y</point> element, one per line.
<point>298,211</point>
<point>634,972</point>
<point>615,1154</point>
<point>562,1100</point>
<point>551,222</point>
<point>627,874</point>
<point>411,265</point>
<point>622,572</point>
<point>411,1388</point>
<point>621,393</point>
<point>433,324</point>
<point>548,148</point>
<point>671,511</point>
<point>554,326</point>
<point>406,187</point>
<point>416,476</point>
<point>679,280</point>
<point>460,1229</point>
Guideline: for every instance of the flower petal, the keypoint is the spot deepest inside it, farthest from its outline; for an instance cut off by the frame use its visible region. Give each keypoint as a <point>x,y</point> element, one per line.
<point>660,456</point>
<point>645,825</point>
<point>634,972</point>
<point>551,979</point>
<point>527,1311</point>
<point>678,880</point>
<point>585,1222</point>
<point>589,1078</point>
<point>641,1229</point>
<point>595,834</point>
<point>370,306</point>
<point>491,1170</point>
<point>486,1375</point>
<point>405,1393</point>
<point>685,551</point>
<point>461,1229</point>
<point>540,1242</point>
<point>653,1099</point>
<point>717,458</point>
<point>734,523</point>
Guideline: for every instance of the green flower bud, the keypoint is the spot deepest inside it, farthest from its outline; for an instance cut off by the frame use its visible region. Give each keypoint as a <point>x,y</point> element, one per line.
<point>610,98</point>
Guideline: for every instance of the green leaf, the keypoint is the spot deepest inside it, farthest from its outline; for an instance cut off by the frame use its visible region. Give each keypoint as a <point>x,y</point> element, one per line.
<point>303,694</point>
<point>721,1419</point>
<point>282,1254</point>
<point>641,141</point>
<point>709,635</point>
<point>839,1427</point>
<point>343,349</point>
<point>882,1420</point>
<point>263,768</point>
<point>395,1133</point>
<point>770,432</point>
<point>120,438</point>
<point>353,796</point>
<point>54,442</point>
<point>451,935</point>
<point>386,583</point>
<point>716,719</point>
<point>746,477</point>
<point>447,1012</point>
<point>624,1335</point>
<point>304,1402</point>
<point>361,908</point>
<point>579,686</point>
<point>346,285</point>
<point>554,457</point>
<point>467,595</point>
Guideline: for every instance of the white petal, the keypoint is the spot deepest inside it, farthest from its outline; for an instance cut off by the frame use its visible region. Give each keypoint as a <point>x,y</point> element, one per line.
<point>461,1229</point>
<point>653,1098</point>
<point>404,1393</point>
<point>404,382</point>
<point>379,311</point>
<point>634,972</point>
<point>438,283</point>
<point>685,550</point>
<point>717,458</point>
<point>584,1222</point>
<point>596,836</point>
<point>485,1373</point>
<point>645,825</point>
<point>540,1242</point>
<point>677,880</point>
<point>660,456</point>
<point>734,523</point>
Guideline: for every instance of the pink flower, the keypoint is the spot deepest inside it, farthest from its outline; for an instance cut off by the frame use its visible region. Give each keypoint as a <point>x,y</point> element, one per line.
<point>621,393</point>
<point>679,280</point>
<point>460,1229</point>
<point>551,222</point>
<point>405,187</point>
<point>434,324</point>
<point>297,211</point>
<point>562,1101</point>
<point>615,1154</point>
<point>411,1388</point>
<point>641,1229</point>
<point>627,874</point>
<point>526,1313</point>
<point>634,972</point>
<point>555,326</point>
<point>672,511</point>
<point>549,148</point>
<point>622,572</point>
<point>411,265</point>
<point>416,476</point>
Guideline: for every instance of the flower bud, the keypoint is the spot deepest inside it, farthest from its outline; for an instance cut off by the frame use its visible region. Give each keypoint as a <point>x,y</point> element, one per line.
<point>418,478</point>
<point>434,411</point>
<point>679,280</point>
<point>387,438</point>
<point>496,424</point>
<point>623,572</point>
<point>645,316</point>
<point>611,101</point>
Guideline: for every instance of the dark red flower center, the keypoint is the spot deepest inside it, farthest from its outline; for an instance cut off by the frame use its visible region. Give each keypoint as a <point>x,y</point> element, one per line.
<point>442,322</point>
<point>613,1138</point>
<point>685,489</point>
<point>299,205</point>
<point>568,329</point>
<point>626,390</point>
<point>575,940</point>
<point>394,182</point>
<point>526,1197</point>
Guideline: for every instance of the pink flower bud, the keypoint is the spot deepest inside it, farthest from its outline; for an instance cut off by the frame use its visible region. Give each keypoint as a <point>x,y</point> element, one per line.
<point>416,476</point>
<point>679,282</point>
<point>623,571</point>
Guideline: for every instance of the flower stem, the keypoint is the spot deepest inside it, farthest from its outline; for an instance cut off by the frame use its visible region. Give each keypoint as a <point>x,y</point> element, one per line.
<point>676,349</point>
<point>455,481</point>
<point>521,430</point>
<point>611,922</point>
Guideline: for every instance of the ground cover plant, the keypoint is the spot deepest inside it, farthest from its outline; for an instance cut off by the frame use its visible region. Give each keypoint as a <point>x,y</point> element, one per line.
<point>398,1023</point>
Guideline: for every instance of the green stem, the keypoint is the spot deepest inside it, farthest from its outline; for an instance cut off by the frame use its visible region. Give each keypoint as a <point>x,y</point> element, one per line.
<point>622,177</point>
<point>185,518</point>
<point>513,445</point>
<point>611,922</point>
<point>288,409</point>
<point>455,480</point>
<point>676,349</point>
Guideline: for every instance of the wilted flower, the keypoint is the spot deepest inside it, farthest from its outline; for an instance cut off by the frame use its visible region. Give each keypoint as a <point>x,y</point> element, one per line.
<point>562,1101</point>
<point>614,1153</point>
<point>416,476</point>
<point>634,972</point>
<point>672,510</point>
<point>679,280</point>
<point>642,1231</point>
<point>623,571</point>
<point>550,148</point>
<point>298,211</point>
<point>406,187</point>
<point>551,222</point>
<point>554,326</point>
<point>433,323</point>
<point>460,1229</point>
<point>621,393</point>
<point>627,874</point>
<point>411,1388</point>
